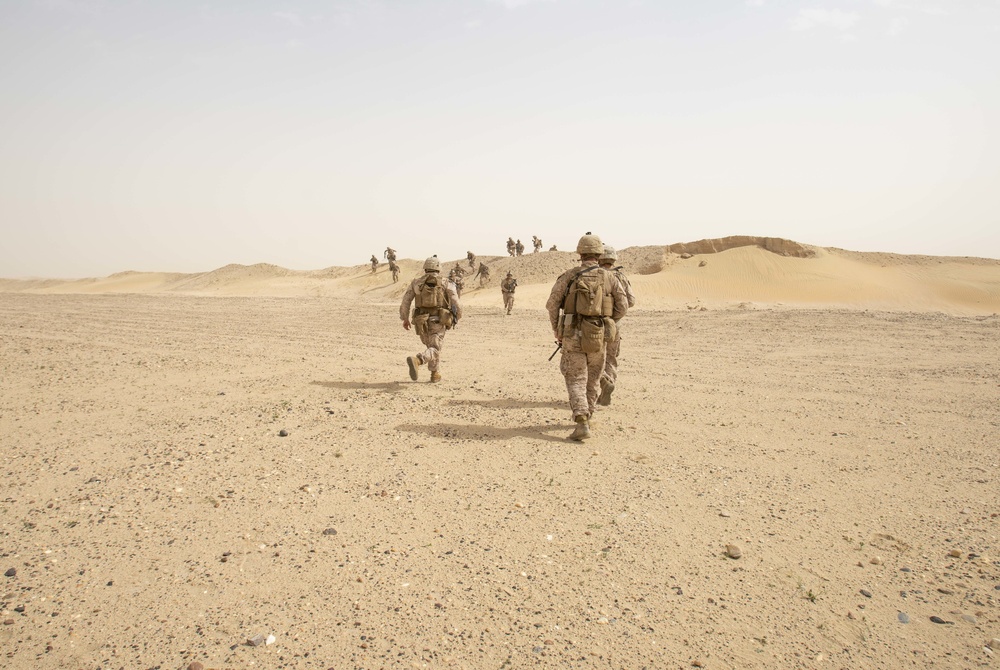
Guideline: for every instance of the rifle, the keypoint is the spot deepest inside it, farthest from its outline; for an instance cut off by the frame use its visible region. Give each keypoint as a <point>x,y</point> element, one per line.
<point>558,347</point>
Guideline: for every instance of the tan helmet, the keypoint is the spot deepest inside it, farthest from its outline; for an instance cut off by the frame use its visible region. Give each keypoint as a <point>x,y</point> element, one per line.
<point>590,245</point>
<point>432,264</point>
<point>609,254</point>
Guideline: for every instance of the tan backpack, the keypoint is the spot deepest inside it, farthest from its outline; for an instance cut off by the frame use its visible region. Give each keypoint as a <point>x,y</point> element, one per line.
<point>589,293</point>
<point>431,293</point>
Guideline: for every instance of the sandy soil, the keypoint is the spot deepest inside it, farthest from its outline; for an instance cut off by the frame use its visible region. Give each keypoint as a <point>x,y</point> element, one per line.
<point>153,515</point>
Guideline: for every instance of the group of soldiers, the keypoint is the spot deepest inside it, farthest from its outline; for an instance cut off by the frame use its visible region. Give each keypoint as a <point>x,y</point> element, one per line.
<point>516,248</point>
<point>390,255</point>
<point>585,307</point>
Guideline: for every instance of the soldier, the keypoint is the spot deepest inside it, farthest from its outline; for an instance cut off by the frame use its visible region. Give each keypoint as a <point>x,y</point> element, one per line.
<point>483,273</point>
<point>507,287</point>
<point>472,260</point>
<point>457,277</point>
<point>536,242</point>
<point>395,270</point>
<point>610,375</point>
<point>436,310</point>
<point>374,262</point>
<point>389,253</point>
<point>510,246</point>
<point>584,307</point>
<point>519,248</point>
<point>553,248</point>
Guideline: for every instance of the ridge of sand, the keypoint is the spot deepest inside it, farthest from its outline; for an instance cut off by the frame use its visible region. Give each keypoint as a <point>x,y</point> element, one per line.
<point>736,271</point>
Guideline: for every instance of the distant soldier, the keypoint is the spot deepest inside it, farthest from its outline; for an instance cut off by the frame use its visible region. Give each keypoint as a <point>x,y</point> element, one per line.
<point>519,248</point>
<point>389,253</point>
<point>610,375</point>
<point>436,310</point>
<point>457,277</point>
<point>395,271</point>
<point>507,287</point>
<point>553,248</point>
<point>483,273</point>
<point>374,262</point>
<point>472,260</point>
<point>511,246</point>
<point>584,306</point>
<point>536,242</point>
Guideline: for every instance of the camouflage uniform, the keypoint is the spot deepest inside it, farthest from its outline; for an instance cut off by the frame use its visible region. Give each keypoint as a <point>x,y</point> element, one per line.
<point>374,262</point>
<point>472,259</point>
<point>395,271</point>
<point>614,346</point>
<point>507,287</point>
<point>581,370</point>
<point>433,336</point>
<point>519,248</point>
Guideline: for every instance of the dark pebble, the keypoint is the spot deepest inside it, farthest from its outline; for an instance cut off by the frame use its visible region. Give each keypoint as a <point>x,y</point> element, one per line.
<point>8,622</point>
<point>947,592</point>
<point>282,433</point>
<point>904,570</point>
<point>537,650</point>
<point>937,619</point>
<point>330,531</point>
<point>10,572</point>
<point>903,617</point>
<point>866,593</point>
<point>111,583</point>
<point>19,609</point>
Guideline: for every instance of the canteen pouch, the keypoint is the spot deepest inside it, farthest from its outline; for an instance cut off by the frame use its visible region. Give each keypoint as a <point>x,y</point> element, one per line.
<point>610,329</point>
<point>445,318</point>
<point>591,335</point>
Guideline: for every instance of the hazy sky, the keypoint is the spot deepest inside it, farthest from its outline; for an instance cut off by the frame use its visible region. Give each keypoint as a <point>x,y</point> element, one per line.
<point>181,135</point>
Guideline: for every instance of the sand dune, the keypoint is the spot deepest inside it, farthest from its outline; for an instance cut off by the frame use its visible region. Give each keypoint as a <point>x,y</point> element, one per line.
<point>739,271</point>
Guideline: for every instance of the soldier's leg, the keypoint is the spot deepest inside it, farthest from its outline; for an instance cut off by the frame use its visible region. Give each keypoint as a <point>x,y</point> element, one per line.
<point>511,305</point>
<point>573,365</point>
<point>434,340</point>
<point>611,360</point>
<point>595,367</point>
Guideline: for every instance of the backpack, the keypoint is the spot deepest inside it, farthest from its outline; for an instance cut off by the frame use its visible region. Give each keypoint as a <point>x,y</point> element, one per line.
<point>589,294</point>
<point>431,293</point>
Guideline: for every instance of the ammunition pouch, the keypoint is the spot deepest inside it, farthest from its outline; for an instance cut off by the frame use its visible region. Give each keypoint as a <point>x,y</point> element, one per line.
<point>610,329</point>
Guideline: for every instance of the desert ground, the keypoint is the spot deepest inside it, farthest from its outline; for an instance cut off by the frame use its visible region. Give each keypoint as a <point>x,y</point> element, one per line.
<point>233,470</point>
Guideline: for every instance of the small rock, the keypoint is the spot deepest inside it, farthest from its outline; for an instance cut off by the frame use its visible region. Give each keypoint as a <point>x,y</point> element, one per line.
<point>195,665</point>
<point>970,619</point>
<point>537,650</point>
<point>905,570</point>
<point>903,617</point>
<point>724,514</point>
<point>270,640</point>
<point>947,592</point>
<point>697,664</point>
<point>256,640</point>
<point>282,433</point>
<point>876,560</point>
<point>994,644</point>
<point>955,553</point>
<point>19,609</point>
<point>330,531</point>
<point>10,572</point>
<point>549,642</point>
<point>866,593</point>
<point>733,551</point>
<point>937,619</point>
<point>8,622</point>
<point>702,264</point>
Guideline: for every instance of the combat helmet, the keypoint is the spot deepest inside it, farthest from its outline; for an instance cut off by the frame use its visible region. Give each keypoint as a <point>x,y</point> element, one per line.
<point>432,264</point>
<point>609,254</point>
<point>590,245</point>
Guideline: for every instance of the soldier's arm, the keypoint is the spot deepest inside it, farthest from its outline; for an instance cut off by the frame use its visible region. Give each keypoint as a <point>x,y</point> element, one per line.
<point>554,303</point>
<point>620,300</point>
<point>404,307</point>
<point>453,295</point>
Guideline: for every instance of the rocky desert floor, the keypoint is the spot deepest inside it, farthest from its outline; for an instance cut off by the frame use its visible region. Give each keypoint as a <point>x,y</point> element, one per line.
<point>253,482</point>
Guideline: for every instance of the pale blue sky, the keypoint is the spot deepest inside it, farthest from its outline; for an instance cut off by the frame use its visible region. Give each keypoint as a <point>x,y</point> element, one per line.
<point>182,136</point>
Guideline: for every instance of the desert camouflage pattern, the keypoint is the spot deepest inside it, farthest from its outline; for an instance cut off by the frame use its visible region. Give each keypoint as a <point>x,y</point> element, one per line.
<point>614,346</point>
<point>581,370</point>
<point>433,338</point>
<point>507,287</point>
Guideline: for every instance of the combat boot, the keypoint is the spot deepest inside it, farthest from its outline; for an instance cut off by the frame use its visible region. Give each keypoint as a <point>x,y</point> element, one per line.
<point>435,376</point>
<point>582,430</point>
<point>414,362</point>
<point>607,387</point>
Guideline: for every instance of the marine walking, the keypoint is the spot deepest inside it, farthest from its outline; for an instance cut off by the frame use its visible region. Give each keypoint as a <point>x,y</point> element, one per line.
<point>610,375</point>
<point>584,307</point>
<point>436,310</point>
<point>507,288</point>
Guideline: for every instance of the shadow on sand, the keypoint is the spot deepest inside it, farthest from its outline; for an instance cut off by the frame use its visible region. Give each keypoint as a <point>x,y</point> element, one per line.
<point>388,387</point>
<point>454,431</point>
<point>507,403</point>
